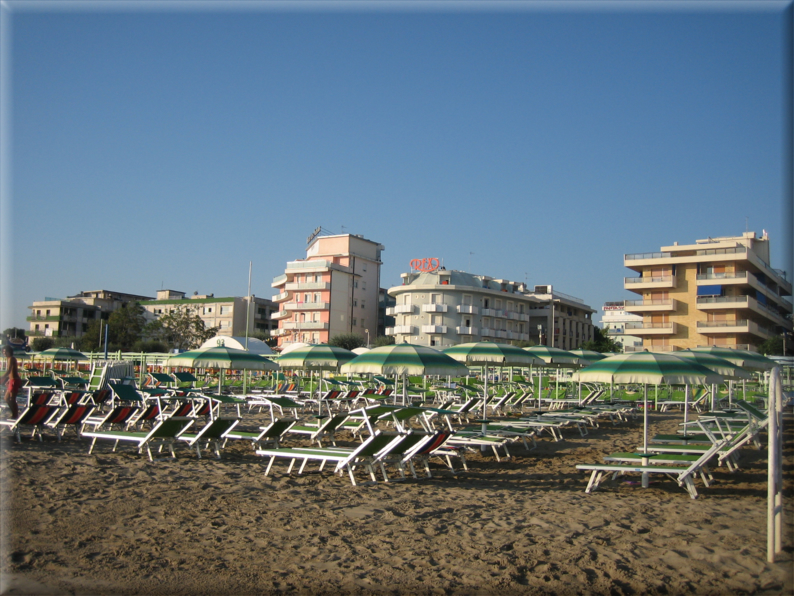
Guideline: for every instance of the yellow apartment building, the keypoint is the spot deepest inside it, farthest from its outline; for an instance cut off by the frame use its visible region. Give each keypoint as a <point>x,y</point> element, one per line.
<point>715,292</point>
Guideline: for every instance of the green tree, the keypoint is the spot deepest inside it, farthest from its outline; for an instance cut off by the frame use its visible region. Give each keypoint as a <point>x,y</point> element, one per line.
<point>265,337</point>
<point>601,342</point>
<point>149,345</point>
<point>15,333</point>
<point>348,341</point>
<point>383,340</point>
<point>774,346</point>
<point>92,339</point>
<point>525,344</point>
<point>43,343</point>
<point>125,326</point>
<point>180,329</point>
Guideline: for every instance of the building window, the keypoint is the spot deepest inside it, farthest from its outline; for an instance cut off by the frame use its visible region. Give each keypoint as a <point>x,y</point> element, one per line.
<point>355,321</point>
<point>355,284</point>
<point>362,304</point>
<point>307,297</point>
<point>355,302</point>
<point>224,310</point>
<point>37,327</point>
<point>317,296</point>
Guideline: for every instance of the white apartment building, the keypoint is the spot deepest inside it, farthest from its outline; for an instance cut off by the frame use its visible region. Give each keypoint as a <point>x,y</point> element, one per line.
<point>617,323</point>
<point>443,308</point>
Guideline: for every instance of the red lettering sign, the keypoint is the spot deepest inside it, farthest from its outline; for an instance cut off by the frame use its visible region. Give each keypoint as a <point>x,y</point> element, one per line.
<point>425,265</point>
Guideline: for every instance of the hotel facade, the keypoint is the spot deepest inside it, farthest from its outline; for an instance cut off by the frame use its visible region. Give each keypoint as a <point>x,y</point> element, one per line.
<point>441,308</point>
<point>716,292</point>
<point>334,290</point>
<point>231,315</point>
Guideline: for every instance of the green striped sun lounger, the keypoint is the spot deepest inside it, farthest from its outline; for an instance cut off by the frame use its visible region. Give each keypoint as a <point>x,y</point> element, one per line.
<point>366,455</point>
<point>165,432</point>
<point>211,435</point>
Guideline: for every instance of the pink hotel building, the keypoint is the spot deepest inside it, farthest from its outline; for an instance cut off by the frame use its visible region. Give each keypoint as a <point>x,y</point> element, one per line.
<point>333,290</point>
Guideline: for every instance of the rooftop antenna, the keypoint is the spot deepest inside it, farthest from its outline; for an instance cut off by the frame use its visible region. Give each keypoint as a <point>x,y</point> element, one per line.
<point>343,229</point>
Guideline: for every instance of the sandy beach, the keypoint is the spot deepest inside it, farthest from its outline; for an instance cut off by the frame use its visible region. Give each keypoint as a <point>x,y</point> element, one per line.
<point>115,523</point>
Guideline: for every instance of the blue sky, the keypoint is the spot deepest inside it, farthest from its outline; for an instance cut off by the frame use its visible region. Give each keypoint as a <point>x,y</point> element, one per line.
<point>168,148</point>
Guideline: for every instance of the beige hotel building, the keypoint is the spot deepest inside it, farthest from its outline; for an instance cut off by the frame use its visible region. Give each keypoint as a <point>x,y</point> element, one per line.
<point>715,292</point>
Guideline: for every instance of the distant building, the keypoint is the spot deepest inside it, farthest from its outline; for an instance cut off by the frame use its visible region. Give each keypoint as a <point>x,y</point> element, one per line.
<point>614,322</point>
<point>70,317</point>
<point>716,292</point>
<point>573,319</point>
<point>229,314</point>
<point>443,308</point>
<point>334,290</point>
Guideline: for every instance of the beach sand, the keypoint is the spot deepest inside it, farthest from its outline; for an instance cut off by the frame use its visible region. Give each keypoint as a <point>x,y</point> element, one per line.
<point>118,524</point>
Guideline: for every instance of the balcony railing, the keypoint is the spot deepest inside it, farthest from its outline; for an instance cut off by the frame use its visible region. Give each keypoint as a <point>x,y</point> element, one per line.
<point>306,306</point>
<point>721,251</point>
<point>277,281</point>
<point>434,329</point>
<point>726,276</point>
<point>657,304</point>
<point>401,330</point>
<point>280,314</point>
<point>646,255</point>
<point>723,299</point>
<point>434,308</point>
<point>649,280</point>
<point>721,324</point>
<point>468,309</point>
<point>305,325</point>
<point>313,285</point>
<point>281,297</point>
<point>402,309</point>
<point>467,330</point>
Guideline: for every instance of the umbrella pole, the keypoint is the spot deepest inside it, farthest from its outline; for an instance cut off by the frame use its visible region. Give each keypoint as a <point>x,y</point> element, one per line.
<point>686,408</point>
<point>645,434</point>
<point>220,381</point>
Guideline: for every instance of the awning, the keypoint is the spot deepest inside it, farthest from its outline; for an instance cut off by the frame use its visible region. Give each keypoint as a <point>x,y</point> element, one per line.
<point>709,290</point>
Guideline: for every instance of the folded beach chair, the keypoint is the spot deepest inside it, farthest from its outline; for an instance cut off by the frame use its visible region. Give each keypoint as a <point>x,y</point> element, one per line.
<point>212,433</point>
<point>166,432</point>
<point>36,416</point>
<point>366,455</point>
<point>421,447</point>
<point>268,436</point>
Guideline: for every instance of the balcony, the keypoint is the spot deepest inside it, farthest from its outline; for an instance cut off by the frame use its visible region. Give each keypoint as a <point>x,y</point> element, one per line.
<point>305,325</point>
<point>319,266</point>
<point>491,312</point>
<point>733,327</point>
<point>637,284</point>
<point>468,309</point>
<point>281,297</point>
<point>434,329</point>
<point>467,330</point>
<point>489,333</point>
<point>401,309</point>
<point>722,302</point>
<point>434,308</point>
<point>48,318</point>
<point>279,281</point>
<point>640,329</point>
<point>708,279</point>
<point>651,348</point>
<point>279,314</point>
<point>314,285</point>
<point>650,305</point>
<point>401,330</point>
<point>307,306</point>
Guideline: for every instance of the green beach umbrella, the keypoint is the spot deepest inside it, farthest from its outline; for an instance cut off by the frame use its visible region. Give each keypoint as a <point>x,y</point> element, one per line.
<point>648,368</point>
<point>61,354</point>
<point>222,358</point>
<point>486,354</point>
<point>316,357</point>
<point>554,356</point>
<point>745,359</point>
<point>405,359</point>
<point>588,356</point>
<point>719,365</point>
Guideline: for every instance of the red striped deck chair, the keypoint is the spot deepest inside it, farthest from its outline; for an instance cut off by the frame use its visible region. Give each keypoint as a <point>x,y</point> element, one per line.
<point>74,416</point>
<point>36,416</point>
<point>118,416</point>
